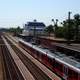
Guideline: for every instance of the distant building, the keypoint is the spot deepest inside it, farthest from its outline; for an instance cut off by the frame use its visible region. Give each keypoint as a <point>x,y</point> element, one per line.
<point>33,28</point>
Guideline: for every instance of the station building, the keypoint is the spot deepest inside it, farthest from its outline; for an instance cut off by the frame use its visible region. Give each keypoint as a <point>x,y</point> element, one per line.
<point>33,28</point>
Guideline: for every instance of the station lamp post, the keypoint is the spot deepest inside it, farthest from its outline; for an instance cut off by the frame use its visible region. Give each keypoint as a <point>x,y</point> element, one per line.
<point>34,31</point>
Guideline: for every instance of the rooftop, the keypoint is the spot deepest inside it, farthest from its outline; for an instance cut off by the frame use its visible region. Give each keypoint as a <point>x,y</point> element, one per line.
<point>35,24</point>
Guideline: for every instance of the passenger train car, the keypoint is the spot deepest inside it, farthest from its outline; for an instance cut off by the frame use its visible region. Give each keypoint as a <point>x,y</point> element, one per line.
<point>60,66</point>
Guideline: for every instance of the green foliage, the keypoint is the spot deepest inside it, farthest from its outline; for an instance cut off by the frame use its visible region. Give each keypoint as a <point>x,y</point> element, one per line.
<point>16,31</point>
<point>68,29</point>
<point>71,29</point>
<point>77,24</point>
<point>12,30</point>
<point>49,29</point>
<point>60,32</point>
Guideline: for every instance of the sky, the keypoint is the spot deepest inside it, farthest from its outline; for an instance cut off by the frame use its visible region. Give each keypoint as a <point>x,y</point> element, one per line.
<point>15,13</point>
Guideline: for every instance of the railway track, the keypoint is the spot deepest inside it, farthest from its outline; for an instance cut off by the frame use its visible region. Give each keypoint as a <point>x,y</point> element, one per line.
<point>35,71</point>
<point>2,69</point>
<point>11,71</point>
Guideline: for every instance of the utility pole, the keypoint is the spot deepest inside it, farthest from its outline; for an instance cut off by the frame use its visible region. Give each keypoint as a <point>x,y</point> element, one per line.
<point>69,22</point>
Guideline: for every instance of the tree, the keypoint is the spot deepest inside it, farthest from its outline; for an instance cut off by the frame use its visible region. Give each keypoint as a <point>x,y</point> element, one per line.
<point>60,32</point>
<point>68,30</point>
<point>77,23</point>
<point>55,26</point>
<point>49,29</point>
<point>16,31</point>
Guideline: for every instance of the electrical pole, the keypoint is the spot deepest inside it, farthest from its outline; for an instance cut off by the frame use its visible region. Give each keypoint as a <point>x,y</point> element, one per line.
<point>69,22</point>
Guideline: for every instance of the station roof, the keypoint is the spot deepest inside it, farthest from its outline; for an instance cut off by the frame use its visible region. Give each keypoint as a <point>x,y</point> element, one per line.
<point>35,24</point>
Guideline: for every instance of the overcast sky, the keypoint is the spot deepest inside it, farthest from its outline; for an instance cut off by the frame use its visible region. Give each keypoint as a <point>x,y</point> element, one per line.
<point>18,12</point>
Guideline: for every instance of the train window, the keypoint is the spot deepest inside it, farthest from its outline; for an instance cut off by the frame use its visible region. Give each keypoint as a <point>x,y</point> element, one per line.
<point>50,60</point>
<point>37,53</point>
<point>72,73</point>
<point>58,66</point>
<point>65,70</point>
<point>43,56</point>
<point>53,63</point>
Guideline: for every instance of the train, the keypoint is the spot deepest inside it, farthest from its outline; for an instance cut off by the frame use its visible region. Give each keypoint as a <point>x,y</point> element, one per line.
<point>63,69</point>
